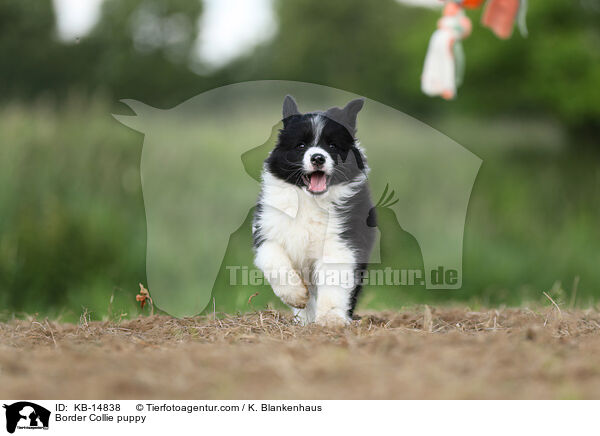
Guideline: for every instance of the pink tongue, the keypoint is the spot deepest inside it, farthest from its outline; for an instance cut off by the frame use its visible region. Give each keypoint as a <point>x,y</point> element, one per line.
<point>318,182</point>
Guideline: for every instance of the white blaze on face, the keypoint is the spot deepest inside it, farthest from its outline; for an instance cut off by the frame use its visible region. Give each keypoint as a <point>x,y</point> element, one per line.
<point>317,124</point>
<point>316,176</point>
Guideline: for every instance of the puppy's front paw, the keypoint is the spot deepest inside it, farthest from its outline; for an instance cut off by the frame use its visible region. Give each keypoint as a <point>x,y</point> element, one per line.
<point>294,295</point>
<point>300,317</point>
<point>333,318</point>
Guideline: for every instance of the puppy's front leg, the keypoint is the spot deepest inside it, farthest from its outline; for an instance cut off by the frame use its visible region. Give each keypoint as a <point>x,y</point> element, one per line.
<point>307,315</point>
<point>287,284</point>
<point>335,286</point>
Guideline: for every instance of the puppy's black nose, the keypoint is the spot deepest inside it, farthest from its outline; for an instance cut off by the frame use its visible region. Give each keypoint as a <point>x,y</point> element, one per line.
<point>317,160</point>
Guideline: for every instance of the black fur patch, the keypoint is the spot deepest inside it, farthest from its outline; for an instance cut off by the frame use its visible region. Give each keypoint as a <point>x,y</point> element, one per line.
<point>298,134</point>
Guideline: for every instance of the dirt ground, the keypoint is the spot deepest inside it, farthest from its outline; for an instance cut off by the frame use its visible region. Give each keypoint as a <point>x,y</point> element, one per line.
<point>421,353</point>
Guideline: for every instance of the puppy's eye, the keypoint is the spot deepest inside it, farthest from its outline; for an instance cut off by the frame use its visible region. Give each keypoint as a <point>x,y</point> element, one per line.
<point>301,145</point>
<point>332,146</point>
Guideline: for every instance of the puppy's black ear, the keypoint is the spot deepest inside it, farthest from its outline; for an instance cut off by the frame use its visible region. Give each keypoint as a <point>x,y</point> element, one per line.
<point>346,116</point>
<point>289,107</point>
<point>351,110</point>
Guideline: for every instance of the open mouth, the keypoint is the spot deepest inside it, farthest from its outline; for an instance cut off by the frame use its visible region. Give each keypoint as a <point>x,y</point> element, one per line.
<point>316,182</point>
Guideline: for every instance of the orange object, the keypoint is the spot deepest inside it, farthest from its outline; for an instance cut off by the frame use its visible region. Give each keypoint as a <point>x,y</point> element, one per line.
<point>143,297</point>
<point>500,16</point>
<point>472,4</point>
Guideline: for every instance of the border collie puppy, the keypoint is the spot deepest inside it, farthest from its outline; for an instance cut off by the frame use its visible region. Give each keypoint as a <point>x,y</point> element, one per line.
<point>314,224</point>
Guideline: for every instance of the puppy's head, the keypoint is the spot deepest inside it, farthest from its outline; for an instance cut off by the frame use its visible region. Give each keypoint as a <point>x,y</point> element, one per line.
<point>317,150</point>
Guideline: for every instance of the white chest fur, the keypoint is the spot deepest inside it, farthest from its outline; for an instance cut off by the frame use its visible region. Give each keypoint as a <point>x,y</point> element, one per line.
<point>307,227</point>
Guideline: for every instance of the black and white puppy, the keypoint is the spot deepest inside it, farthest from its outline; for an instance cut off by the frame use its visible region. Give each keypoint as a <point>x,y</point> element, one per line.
<point>314,223</point>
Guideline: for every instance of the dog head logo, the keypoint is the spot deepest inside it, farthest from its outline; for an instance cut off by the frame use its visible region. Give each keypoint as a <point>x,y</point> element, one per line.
<point>26,415</point>
<point>201,164</point>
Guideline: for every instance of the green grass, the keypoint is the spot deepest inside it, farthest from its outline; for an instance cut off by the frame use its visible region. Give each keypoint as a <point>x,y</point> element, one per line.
<point>73,229</point>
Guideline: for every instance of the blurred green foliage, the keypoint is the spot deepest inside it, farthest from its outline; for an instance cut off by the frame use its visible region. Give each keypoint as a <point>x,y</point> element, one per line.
<point>73,232</point>
<point>138,49</point>
<point>141,49</point>
<point>72,225</point>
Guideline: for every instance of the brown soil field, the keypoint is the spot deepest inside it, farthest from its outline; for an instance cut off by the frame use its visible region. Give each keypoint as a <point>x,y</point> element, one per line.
<point>420,353</point>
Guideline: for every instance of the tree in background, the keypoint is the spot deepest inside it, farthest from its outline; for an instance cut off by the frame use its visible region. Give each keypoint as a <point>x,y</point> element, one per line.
<point>139,49</point>
<point>27,51</point>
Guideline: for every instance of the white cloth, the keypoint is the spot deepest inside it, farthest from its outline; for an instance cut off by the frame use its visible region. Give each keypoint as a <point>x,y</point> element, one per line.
<point>439,71</point>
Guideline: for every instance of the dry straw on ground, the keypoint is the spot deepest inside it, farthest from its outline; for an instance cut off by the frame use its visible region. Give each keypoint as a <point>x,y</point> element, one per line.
<point>421,353</point>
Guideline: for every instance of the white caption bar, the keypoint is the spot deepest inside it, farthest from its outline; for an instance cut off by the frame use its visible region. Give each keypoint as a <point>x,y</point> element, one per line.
<point>145,417</point>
